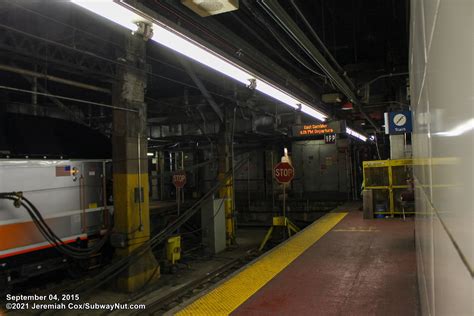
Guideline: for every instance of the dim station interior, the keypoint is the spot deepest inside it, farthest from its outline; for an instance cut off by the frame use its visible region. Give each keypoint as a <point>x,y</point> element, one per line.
<point>238,157</point>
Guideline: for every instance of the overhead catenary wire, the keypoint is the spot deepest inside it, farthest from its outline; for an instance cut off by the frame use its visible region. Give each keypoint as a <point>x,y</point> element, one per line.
<point>264,5</point>
<point>68,98</point>
<point>316,36</point>
<point>281,17</point>
<point>281,41</point>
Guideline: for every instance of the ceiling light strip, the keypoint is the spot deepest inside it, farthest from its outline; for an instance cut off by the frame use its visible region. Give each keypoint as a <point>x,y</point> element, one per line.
<point>355,134</point>
<point>178,42</point>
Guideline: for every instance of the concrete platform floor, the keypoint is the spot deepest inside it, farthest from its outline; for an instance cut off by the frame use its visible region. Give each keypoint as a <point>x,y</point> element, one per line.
<point>360,267</point>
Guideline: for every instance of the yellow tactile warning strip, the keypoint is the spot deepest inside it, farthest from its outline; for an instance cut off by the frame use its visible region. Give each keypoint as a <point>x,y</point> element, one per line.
<point>235,291</point>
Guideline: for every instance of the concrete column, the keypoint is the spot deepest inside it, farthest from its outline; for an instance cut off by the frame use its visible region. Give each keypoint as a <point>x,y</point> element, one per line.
<point>131,187</point>
<point>397,146</point>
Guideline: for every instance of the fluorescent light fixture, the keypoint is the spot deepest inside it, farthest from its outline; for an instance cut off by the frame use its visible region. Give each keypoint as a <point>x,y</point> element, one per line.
<point>172,39</point>
<point>312,112</point>
<point>150,154</point>
<point>112,11</point>
<point>276,93</point>
<point>199,53</point>
<point>356,134</point>
<point>459,130</point>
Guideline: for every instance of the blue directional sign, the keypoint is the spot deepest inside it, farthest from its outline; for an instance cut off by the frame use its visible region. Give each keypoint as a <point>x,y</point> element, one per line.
<point>398,122</point>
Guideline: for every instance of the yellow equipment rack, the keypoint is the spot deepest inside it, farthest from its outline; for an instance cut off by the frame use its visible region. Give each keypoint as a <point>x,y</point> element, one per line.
<point>388,179</point>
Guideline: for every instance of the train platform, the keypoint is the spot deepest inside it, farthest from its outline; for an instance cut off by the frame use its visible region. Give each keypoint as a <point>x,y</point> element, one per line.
<point>339,265</point>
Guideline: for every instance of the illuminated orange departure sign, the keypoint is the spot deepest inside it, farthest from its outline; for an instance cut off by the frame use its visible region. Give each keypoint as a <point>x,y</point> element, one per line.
<point>320,129</point>
<point>315,129</point>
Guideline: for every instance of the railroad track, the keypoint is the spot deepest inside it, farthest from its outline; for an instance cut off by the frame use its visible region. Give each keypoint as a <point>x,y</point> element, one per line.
<point>174,298</point>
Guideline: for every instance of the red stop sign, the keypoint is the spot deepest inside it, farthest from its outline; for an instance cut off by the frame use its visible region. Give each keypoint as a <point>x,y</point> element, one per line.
<point>284,172</point>
<point>179,179</point>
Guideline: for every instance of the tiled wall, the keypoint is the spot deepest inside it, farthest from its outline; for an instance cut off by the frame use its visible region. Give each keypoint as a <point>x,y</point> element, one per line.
<point>442,96</point>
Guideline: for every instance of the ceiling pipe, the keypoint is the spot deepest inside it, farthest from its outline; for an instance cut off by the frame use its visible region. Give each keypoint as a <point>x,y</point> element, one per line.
<point>389,75</point>
<point>282,18</point>
<point>38,87</point>
<point>321,43</point>
<point>290,50</point>
<point>68,82</point>
<point>367,85</point>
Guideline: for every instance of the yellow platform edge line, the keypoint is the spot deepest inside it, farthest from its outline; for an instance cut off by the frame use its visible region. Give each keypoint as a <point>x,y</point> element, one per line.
<point>224,299</point>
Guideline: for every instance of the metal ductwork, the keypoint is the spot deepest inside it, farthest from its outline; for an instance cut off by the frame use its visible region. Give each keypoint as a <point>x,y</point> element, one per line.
<point>262,121</point>
<point>211,7</point>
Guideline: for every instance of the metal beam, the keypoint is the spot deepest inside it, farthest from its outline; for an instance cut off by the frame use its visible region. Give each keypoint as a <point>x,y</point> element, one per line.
<point>68,82</point>
<point>189,69</point>
<point>56,102</point>
<point>30,45</point>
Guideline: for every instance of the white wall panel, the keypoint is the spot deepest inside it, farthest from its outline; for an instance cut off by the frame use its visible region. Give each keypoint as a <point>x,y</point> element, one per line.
<point>425,255</point>
<point>453,284</point>
<point>430,9</point>
<point>442,83</point>
<point>418,49</point>
<point>450,72</point>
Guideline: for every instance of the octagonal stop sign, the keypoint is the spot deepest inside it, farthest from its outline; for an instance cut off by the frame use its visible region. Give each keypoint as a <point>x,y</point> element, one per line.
<point>179,179</point>
<point>284,172</point>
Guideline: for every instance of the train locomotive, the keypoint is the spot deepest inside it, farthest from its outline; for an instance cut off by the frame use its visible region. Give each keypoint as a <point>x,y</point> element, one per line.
<point>54,214</point>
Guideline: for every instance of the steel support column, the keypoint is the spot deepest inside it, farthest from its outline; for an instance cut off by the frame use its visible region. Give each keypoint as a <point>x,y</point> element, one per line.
<point>226,192</point>
<point>131,187</point>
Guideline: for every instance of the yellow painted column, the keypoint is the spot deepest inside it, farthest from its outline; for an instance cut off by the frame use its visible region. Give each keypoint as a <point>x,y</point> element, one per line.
<point>130,168</point>
<point>132,223</point>
<point>390,189</point>
<point>226,192</point>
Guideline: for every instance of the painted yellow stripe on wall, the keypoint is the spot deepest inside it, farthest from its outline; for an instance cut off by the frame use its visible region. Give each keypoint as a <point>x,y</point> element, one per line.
<point>235,291</point>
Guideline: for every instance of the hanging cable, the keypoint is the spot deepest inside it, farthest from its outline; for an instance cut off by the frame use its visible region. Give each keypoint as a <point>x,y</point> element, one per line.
<point>117,267</point>
<point>75,252</point>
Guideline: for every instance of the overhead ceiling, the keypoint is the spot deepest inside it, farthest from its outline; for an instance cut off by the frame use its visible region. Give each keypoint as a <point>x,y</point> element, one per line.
<point>366,38</point>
